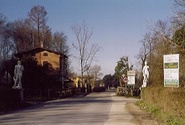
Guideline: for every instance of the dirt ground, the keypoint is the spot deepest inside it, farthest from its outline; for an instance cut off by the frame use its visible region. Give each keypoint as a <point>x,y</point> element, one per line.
<point>141,117</point>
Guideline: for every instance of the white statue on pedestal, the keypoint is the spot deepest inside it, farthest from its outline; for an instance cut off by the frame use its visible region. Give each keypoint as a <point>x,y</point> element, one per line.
<point>145,74</point>
<point>18,71</point>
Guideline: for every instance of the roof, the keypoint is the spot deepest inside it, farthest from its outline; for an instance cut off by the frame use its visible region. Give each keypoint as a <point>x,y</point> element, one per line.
<point>37,50</point>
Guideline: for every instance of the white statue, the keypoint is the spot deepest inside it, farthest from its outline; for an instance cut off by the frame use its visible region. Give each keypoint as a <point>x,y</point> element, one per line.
<point>145,74</point>
<point>18,71</point>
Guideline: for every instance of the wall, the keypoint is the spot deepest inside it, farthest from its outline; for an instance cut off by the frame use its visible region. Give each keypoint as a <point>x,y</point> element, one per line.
<point>52,58</point>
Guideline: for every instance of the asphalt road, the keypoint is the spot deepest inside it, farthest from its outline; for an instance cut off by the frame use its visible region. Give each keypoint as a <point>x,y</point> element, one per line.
<point>94,109</point>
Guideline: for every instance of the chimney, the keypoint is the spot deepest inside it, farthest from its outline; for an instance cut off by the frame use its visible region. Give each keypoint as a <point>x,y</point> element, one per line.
<point>41,44</point>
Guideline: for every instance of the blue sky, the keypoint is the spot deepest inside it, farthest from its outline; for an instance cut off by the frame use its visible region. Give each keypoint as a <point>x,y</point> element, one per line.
<point>118,25</point>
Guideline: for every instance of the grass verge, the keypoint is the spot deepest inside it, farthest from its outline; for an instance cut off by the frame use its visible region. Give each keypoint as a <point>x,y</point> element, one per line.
<point>164,118</point>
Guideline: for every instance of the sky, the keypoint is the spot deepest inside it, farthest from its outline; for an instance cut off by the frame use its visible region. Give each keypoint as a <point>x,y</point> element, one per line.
<point>117,25</point>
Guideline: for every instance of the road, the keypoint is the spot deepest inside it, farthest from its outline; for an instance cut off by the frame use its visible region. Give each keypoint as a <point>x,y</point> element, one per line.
<point>94,109</point>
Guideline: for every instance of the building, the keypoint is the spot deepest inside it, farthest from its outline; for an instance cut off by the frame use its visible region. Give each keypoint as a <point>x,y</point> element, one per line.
<point>87,81</point>
<point>55,62</point>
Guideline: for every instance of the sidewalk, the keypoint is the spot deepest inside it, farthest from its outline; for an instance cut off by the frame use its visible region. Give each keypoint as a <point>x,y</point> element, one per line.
<point>124,112</point>
<point>119,115</point>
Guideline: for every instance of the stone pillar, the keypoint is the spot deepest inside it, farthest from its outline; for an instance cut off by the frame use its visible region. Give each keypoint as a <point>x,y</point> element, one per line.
<point>21,95</point>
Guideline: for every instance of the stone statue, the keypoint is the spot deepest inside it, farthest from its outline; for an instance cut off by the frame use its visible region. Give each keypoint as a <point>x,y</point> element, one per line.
<point>145,74</point>
<point>18,71</point>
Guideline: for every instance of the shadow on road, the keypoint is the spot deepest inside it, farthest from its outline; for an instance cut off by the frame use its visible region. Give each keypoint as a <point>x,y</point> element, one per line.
<point>67,102</point>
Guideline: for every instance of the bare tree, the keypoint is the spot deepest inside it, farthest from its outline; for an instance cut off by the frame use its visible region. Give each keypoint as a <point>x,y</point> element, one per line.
<point>37,16</point>
<point>158,32</point>
<point>30,32</point>
<point>178,19</point>
<point>178,24</point>
<point>59,43</point>
<point>145,49</point>
<point>96,72</point>
<point>86,52</point>
<point>19,32</point>
<point>154,45</point>
<point>6,45</point>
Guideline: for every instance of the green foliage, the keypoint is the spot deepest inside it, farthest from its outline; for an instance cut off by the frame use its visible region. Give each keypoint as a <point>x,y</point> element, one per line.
<point>174,121</point>
<point>121,67</point>
<point>179,37</point>
<point>115,80</point>
<point>162,117</point>
<point>107,80</point>
<point>111,80</point>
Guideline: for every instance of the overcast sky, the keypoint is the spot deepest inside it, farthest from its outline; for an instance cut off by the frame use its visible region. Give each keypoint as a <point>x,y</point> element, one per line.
<point>118,25</point>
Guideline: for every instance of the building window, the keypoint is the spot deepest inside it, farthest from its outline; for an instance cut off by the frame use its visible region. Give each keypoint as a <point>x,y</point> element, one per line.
<point>45,54</point>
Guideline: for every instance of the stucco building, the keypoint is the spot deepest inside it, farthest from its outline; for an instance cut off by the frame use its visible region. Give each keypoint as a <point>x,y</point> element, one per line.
<point>56,62</point>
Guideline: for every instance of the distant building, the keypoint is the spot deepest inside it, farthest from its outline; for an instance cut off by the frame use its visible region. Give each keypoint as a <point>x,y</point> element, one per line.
<point>87,81</point>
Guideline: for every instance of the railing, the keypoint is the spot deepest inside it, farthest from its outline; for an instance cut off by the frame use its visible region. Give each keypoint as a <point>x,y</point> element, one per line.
<point>47,94</point>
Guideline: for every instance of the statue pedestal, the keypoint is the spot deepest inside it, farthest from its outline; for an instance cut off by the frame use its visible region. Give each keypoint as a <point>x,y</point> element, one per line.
<point>16,87</point>
<point>19,93</point>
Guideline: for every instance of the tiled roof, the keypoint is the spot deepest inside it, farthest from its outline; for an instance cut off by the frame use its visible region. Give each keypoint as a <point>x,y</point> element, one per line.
<point>37,50</point>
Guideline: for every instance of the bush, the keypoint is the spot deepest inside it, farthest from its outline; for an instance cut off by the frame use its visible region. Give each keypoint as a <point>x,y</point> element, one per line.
<point>9,99</point>
<point>120,91</point>
<point>166,104</point>
<point>99,89</point>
